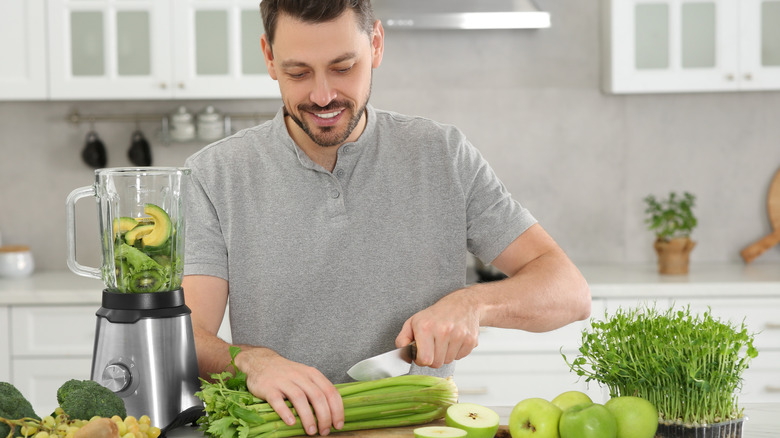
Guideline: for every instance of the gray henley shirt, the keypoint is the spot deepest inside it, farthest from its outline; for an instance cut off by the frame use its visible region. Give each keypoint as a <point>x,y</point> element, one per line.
<point>324,267</point>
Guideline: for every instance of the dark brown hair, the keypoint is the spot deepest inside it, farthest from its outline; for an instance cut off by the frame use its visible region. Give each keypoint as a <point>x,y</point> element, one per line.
<point>315,11</point>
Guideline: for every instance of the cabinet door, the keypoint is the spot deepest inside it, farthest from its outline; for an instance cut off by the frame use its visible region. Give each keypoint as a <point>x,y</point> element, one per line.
<point>217,50</point>
<point>671,45</point>
<point>46,331</point>
<point>5,345</point>
<point>22,50</point>
<point>505,379</point>
<point>38,379</point>
<point>109,49</point>
<point>760,44</point>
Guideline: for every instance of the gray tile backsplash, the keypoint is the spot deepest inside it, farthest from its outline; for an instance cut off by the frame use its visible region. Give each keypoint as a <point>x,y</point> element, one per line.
<point>530,100</point>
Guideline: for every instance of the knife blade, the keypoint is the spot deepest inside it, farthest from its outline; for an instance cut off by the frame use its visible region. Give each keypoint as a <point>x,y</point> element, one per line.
<point>390,364</point>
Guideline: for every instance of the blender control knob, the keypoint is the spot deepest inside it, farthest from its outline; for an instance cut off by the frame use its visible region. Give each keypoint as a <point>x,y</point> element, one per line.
<point>116,377</point>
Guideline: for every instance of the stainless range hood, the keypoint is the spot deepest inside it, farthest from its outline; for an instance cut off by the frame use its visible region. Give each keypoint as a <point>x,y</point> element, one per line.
<point>460,14</point>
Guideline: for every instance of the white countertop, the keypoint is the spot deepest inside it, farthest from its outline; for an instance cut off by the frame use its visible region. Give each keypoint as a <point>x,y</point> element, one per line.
<point>606,281</point>
<point>50,287</point>
<point>763,421</point>
<point>703,280</point>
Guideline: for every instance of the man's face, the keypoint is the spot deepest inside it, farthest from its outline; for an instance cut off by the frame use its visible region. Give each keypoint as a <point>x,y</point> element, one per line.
<point>324,73</point>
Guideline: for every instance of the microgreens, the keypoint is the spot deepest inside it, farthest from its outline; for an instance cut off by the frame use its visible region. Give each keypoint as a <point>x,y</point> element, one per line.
<point>689,366</point>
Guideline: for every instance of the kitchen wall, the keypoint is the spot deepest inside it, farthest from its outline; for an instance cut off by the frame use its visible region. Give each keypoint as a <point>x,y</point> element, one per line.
<point>530,100</point>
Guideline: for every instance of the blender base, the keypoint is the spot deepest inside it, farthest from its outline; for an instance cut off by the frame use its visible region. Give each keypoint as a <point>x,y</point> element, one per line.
<point>145,353</point>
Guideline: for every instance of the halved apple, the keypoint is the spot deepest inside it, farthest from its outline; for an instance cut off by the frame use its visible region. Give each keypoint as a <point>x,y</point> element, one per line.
<point>479,421</point>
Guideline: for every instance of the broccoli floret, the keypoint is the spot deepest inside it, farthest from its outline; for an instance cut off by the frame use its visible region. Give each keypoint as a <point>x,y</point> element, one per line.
<point>84,399</point>
<point>13,406</point>
<point>72,384</point>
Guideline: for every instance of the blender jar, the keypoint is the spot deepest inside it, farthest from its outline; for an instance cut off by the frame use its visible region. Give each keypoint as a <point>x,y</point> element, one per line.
<point>141,221</point>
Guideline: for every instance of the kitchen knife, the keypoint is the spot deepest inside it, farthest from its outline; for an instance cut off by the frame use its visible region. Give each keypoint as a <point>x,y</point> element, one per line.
<point>393,363</point>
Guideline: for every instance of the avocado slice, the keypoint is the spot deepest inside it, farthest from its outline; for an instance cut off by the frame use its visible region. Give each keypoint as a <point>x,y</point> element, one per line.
<point>162,227</point>
<point>124,224</point>
<point>137,233</point>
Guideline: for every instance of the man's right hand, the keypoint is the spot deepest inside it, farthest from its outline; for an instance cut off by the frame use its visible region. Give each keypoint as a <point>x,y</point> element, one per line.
<point>273,378</point>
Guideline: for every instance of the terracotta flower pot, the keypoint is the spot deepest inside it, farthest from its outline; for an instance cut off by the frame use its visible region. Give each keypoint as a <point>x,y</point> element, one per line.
<point>673,255</point>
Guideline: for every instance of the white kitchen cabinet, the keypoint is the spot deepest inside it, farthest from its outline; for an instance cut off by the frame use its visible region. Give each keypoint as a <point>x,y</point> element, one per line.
<point>49,345</point>
<point>46,331</point>
<point>224,332</point>
<point>23,50</point>
<point>217,49</point>
<point>39,378</point>
<point>505,379</point>
<point>655,46</point>
<point>5,345</point>
<point>152,49</point>
<point>509,365</point>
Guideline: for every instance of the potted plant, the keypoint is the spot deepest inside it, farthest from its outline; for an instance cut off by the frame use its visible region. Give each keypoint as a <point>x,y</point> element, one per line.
<point>672,220</point>
<point>689,366</point>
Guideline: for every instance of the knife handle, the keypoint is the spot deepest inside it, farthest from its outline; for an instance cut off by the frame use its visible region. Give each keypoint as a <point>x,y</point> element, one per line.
<point>413,350</point>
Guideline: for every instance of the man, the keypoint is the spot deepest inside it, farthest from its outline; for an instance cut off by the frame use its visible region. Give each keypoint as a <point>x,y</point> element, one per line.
<point>341,231</point>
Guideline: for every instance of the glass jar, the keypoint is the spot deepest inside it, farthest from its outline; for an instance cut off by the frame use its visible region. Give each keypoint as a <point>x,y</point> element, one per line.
<point>211,125</point>
<point>182,125</point>
<point>16,261</point>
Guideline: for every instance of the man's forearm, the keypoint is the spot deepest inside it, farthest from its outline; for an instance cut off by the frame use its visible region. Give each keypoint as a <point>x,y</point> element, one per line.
<point>547,293</point>
<point>213,353</point>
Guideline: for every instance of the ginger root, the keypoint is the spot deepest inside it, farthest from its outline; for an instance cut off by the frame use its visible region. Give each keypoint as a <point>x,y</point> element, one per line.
<point>98,428</point>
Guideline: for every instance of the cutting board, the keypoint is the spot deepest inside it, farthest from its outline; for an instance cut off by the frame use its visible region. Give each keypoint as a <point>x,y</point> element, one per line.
<point>406,431</point>
<point>773,209</point>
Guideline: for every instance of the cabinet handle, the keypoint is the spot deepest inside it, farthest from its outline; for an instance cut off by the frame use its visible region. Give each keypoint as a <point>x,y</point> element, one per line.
<point>729,77</point>
<point>473,391</point>
<point>748,76</point>
<point>163,85</point>
<point>770,388</point>
<point>773,326</point>
<point>181,85</point>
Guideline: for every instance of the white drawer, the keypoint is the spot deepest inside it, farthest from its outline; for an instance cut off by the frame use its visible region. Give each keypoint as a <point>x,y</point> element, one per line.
<point>53,331</point>
<point>39,379</point>
<point>761,382</point>
<point>504,380</point>
<point>513,363</point>
<point>496,340</point>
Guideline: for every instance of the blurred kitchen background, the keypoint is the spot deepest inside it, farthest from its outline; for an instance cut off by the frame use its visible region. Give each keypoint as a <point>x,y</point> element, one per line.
<point>531,100</point>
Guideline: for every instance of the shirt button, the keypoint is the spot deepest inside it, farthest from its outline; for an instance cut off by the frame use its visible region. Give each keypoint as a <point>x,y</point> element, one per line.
<point>334,194</point>
<point>347,149</point>
<point>340,173</point>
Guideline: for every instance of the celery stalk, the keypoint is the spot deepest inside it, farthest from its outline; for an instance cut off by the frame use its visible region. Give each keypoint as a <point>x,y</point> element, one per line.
<point>389,402</point>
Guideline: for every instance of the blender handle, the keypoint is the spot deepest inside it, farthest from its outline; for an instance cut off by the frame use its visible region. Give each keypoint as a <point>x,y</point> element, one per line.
<point>75,266</point>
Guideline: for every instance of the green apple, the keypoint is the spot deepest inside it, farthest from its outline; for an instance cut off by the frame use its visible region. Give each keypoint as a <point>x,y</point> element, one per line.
<point>588,421</point>
<point>534,418</point>
<point>439,432</point>
<point>636,417</point>
<point>568,399</point>
<point>477,420</point>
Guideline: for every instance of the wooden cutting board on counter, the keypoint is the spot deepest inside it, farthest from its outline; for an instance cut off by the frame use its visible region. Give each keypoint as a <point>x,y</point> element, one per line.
<point>405,431</point>
<point>773,208</point>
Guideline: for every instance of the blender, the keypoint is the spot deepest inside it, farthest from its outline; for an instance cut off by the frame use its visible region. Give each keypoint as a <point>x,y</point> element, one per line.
<point>144,345</point>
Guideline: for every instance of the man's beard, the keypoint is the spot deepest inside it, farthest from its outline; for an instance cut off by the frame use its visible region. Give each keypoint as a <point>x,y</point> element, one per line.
<point>328,136</point>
